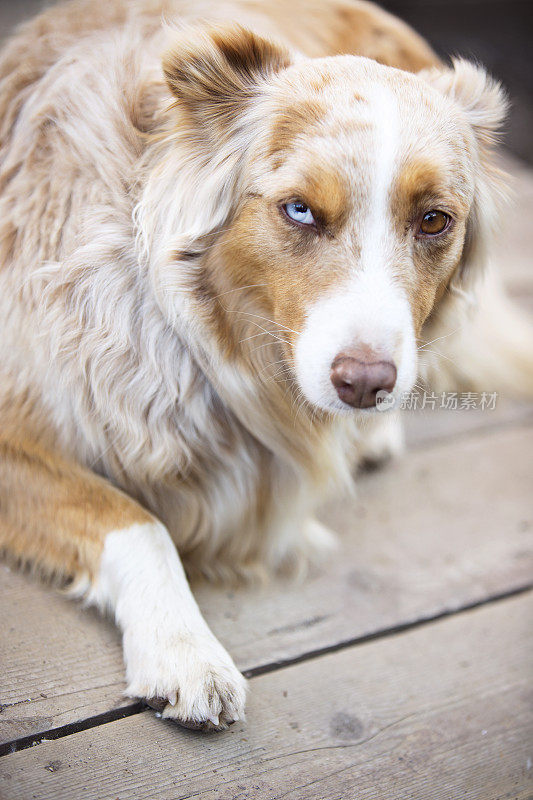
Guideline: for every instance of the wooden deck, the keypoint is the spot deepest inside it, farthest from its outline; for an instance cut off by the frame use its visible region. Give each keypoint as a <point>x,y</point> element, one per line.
<point>402,671</point>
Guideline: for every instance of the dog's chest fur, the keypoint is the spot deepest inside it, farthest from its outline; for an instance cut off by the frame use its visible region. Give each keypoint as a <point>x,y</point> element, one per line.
<point>107,377</point>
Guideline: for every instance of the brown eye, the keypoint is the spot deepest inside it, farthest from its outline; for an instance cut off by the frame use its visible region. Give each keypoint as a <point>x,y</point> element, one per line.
<point>433,223</point>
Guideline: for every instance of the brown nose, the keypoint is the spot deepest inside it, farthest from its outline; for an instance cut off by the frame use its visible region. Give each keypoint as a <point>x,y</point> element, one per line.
<point>358,377</point>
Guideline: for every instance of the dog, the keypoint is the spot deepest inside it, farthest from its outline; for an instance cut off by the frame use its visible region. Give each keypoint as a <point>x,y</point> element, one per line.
<point>221,243</point>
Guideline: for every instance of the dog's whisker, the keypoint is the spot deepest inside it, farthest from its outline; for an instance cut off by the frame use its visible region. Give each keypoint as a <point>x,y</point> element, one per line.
<point>440,355</point>
<point>263,372</point>
<point>276,338</point>
<point>438,338</point>
<point>269,344</point>
<point>280,377</point>
<point>259,316</point>
<point>254,336</point>
<point>264,332</point>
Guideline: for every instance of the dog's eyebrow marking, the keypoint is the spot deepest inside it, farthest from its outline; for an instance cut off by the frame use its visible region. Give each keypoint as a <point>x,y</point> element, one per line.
<point>292,120</point>
<point>420,181</point>
<point>327,193</point>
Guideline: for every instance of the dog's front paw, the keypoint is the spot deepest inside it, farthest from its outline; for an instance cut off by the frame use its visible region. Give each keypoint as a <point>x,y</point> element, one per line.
<point>190,678</point>
<point>381,441</point>
<point>304,549</point>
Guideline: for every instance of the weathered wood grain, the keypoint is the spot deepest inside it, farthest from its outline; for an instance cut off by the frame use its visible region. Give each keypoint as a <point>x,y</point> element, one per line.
<point>426,426</point>
<point>58,662</point>
<point>440,713</point>
<point>447,527</point>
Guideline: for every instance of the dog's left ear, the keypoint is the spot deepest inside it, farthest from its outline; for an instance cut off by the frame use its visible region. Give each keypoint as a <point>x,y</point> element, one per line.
<point>215,73</point>
<point>484,104</point>
<point>480,97</point>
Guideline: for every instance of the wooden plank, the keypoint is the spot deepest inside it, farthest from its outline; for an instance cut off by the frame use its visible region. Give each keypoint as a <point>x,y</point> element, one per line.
<point>401,560</point>
<point>72,658</point>
<point>440,712</point>
<point>426,425</point>
<point>59,663</point>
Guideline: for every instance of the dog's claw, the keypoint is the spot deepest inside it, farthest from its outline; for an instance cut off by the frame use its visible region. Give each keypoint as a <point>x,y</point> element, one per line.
<point>173,698</point>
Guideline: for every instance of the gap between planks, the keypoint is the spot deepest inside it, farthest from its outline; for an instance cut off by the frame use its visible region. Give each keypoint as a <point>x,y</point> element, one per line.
<point>500,569</point>
<point>139,707</point>
<point>441,712</point>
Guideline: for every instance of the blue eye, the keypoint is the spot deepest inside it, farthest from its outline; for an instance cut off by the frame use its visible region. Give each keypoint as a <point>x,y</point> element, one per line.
<point>299,212</point>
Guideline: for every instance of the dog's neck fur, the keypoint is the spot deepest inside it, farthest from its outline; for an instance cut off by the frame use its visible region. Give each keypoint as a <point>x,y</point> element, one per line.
<point>279,450</point>
<point>180,425</point>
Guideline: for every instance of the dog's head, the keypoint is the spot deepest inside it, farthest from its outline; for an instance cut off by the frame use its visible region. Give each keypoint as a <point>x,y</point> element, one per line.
<point>330,205</point>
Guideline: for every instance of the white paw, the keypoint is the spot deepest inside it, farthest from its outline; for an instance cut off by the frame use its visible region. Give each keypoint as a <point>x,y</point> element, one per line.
<point>189,676</point>
<point>381,441</point>
<point>305,548</point>
<point>320,542</point>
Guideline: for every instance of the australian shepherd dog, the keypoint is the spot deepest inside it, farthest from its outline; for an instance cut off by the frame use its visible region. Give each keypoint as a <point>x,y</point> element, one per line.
<point>228,231</point>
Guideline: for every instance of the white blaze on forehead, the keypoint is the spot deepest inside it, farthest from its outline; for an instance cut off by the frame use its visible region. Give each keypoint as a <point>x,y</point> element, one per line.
<point>377,230</point>
<point>371,308</point>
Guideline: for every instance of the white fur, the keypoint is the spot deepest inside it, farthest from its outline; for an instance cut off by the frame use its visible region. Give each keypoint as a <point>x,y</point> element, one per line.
<point>377,234</point>
<point>381,439</point>
<point>105,345</point>
<point>370,309</point>
<point>169,651</point>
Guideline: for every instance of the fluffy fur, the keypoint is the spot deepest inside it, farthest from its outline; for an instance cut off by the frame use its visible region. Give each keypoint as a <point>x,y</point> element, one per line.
<point>167,335</point>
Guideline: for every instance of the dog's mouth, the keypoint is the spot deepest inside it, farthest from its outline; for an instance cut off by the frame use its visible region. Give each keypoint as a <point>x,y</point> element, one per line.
<point>357,379</point>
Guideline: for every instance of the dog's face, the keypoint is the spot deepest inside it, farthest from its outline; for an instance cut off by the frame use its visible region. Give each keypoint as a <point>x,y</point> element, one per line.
<point>356,197</point>
<point>354,221</point>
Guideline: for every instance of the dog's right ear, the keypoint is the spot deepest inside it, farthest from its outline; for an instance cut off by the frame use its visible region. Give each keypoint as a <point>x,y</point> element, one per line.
<point>217,77</point>
<point>484,105</point>
<point>215,73</point>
